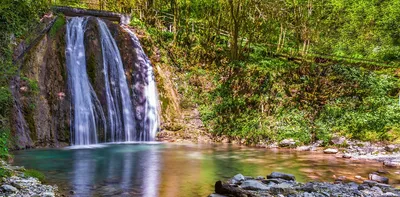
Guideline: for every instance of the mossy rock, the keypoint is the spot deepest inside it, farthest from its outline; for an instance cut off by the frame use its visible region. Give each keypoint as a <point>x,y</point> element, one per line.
<point>35,174</point>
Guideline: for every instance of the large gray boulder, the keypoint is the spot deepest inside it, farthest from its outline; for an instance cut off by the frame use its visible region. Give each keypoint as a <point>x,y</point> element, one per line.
<point>254,185</point>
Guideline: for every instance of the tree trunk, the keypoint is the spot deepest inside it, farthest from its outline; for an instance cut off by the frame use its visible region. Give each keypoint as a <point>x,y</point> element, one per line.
<point>234,29</point>
<point>278,48</point>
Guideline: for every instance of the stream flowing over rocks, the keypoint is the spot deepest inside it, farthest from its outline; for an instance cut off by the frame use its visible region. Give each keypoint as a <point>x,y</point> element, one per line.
<point>280,184</point>
<point>19,185</point>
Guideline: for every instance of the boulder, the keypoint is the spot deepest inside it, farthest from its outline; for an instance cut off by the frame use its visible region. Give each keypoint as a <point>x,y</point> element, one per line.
<point>226,189</point>
<point>392,163</point>
<point>331,151</point>
<point>304,148</point>
<point>287,143</point>
<point>377,178</point>
<point>278,175</point>
<point>237,179</point>
<point>9,188</point>
<point>254,185</point>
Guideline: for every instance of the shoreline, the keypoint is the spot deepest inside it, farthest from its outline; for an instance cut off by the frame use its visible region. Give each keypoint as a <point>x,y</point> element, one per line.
<point>387,153</point>
<point>15,182</point>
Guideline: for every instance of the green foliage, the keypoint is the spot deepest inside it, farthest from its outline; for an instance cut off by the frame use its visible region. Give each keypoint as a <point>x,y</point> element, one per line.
<point>276,100</point>
<point>5,101</point>
<point>5,172</point>
<point>58,24</point>
<point>4,139</point>
<point>35,174</point>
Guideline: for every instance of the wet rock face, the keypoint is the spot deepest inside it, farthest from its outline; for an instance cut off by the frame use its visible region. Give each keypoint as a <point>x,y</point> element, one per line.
<point>40,96</point>
<point>42,107</point>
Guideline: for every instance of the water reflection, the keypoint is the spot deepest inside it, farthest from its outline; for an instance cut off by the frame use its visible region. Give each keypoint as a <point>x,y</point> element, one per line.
<point>84,169</point>
<point>151,173</point>
<point>178,170</point>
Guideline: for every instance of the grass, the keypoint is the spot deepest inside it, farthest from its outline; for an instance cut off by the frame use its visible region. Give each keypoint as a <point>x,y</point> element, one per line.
<point>35,174</point>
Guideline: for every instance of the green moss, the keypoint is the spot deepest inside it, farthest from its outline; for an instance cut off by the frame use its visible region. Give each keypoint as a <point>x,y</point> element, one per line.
<point>35,174</point>
<point>58,24</point>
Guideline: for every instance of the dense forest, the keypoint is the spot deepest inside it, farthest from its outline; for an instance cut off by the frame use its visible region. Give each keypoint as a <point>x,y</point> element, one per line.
<point>257,70</point>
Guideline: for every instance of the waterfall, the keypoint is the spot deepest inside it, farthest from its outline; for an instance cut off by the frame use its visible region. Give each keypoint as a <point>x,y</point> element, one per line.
<point>84,116</point>
<point>119,103</point>
<point>145,86</point>
<point>128,115</point>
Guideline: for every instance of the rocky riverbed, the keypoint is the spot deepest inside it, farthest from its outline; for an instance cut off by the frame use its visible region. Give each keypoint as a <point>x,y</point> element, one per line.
<point>388,154</point>
<point>279,185</point>
<point>15,183</point>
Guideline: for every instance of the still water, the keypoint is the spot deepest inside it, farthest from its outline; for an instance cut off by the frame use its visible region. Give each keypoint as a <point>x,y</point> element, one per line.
<point>178,170</point>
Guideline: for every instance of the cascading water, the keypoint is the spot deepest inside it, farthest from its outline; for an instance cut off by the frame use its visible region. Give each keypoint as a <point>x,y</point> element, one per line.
<point>83,99</point>
<point>147,102</point>
<point>124,118</point>
<point>119,103</point>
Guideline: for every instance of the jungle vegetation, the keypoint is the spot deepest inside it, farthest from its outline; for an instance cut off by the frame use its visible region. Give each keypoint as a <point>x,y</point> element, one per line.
<point>259,69</point>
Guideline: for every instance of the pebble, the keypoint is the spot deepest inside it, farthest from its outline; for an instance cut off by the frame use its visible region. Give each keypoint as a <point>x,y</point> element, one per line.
<point>377,178</point>
<point>346,156</point>
<point>331,151</point>
<point>358,177</point>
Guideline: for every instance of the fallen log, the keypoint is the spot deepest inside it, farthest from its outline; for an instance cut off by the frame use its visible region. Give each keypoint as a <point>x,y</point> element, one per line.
<point>111,16</point>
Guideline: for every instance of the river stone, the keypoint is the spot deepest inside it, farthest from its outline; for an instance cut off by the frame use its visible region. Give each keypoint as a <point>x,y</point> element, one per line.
<point>238,178</point>
<point>370,183</point>
<point>287,143</point>
<point>253,185</point>
<point>269,181</point>
<point>9,188</point>
<point>278,175</point>
<point>358,177</point>
<point>346,156</point>
<point>389,194</point>
<point>353,185</point>
<point>282,188</point>
<point>260,178</point>
<point>331,151</point>
<point>216,195</point>
<point>391,148</point>
<point>303,148</point>
<point>48,194</point>
<point>377,190</point>
<point>393,163</point>
<point>338,140</point>
<point>379,179</point>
